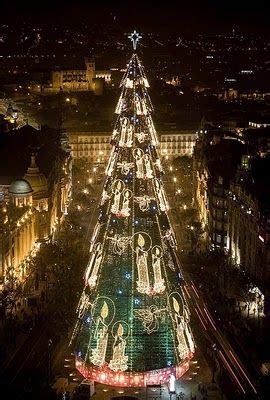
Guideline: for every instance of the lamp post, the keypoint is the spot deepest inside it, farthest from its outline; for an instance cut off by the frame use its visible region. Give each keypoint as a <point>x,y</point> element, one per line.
<point>178,192</point>
<point>174,181</point>
<point>94,174</point>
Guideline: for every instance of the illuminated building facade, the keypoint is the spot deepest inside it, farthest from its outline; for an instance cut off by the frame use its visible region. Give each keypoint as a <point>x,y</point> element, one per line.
<point>177,143</point>
<point>248,242</point>
<point>79,80</point>
<point>215,165</point>
<point>95,146</point>
<point>33,206</point>
<point>232,192</point>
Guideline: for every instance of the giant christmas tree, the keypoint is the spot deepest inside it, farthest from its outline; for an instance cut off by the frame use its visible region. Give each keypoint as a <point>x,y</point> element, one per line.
<point>133,320</point>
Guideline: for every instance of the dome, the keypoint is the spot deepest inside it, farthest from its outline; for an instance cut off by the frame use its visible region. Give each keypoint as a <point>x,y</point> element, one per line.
<point>20,188</point>
<point>36,179</point>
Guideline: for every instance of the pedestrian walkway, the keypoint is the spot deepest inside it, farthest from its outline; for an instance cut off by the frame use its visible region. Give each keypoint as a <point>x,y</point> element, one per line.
<point>194,385</point>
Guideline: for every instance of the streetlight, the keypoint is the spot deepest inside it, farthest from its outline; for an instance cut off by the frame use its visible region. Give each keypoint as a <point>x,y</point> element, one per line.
<point>94,171</point>
<point>178,192</point>
<point>174,181</point>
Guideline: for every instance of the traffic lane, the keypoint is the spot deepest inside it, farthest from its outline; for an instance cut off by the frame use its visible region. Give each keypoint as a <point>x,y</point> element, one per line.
<point>227,355</point>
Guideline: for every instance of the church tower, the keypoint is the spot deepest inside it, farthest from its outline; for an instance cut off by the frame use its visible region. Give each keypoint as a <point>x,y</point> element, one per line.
<point>90,72</point>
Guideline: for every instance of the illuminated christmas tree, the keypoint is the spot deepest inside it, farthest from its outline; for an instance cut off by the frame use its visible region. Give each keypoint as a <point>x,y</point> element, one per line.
<point>133,320</point>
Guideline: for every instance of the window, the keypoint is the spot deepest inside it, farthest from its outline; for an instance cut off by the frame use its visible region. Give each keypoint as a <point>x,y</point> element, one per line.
<point>219,226</point>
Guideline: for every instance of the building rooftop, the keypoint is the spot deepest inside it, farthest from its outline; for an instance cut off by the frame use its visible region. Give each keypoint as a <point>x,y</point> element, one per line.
<point>20,187</point>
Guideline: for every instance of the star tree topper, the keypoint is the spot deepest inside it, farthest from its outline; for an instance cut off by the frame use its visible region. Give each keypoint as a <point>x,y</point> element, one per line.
<point>134,37</point>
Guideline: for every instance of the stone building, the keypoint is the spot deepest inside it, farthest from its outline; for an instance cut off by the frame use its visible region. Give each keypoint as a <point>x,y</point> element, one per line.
<point>215,164</point>
<point>95,146</point>
<point>35,187</point>
<point>177,143</point>
<point>248,241</point>
<point>80,79</point>
<point>232,193</point>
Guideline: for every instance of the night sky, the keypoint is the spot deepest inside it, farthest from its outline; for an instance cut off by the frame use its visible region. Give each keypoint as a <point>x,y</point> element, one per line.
<point>146,15</point>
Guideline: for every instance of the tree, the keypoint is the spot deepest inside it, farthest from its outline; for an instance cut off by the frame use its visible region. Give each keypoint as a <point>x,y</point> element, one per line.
<point>133,320</point>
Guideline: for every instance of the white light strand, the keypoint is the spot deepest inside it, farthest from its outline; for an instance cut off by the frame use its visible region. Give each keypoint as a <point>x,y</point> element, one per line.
<point>170,237</point>
<point>125,167</point>
<point>120,243</point>
<point>144,202</point>
<point>129,83</point>
<point>99,352</point>
<point>148,169</point>
<point>84,305</point>
<point>104,319</point>
<point>93,266</point>
<point>138,155</point>
<point>163,203</point>
<point>119,106</point>
<point>119,360</point>
<point>104,197</point>
<point>111,162</point>
<point>94,236</point>
<point>180,317</point>
<point>152,131</point>
<point>141,246</point>
<point>158,165</point>
<point>126,135</point>
<point>159,286</point>
<point>141,136</point>
<point>150,317</point>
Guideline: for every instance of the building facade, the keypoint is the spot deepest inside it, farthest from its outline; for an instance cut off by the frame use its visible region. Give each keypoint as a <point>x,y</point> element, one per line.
<point>95,146</point>
<point>32,208</point>
<point>177,143</point>
<point>248,242</point>
<point>79,80</point>
<point>232,191</point>
<point>215,164</point>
